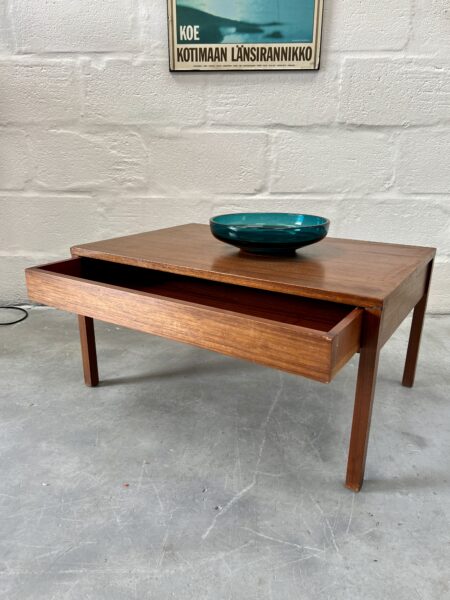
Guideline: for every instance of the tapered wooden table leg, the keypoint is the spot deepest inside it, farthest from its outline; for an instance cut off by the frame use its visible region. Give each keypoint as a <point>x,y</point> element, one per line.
<point>365,389</point>
<point>415,335</point>
<point>88,351</point>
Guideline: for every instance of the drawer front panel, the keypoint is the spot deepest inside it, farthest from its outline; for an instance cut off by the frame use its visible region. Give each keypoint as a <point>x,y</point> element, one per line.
<point>283,346</point>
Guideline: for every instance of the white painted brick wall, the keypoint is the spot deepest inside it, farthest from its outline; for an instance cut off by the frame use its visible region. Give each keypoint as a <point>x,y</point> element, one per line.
<point>368,25</point>
<point>402,92</point>
<point>153,27</point>
<point>423,162</point>
<point>32,93</point>
<point>45,215</point>
<point>330,161</point>
<point>261,99</point>
<point>14,162</point>
<point>207,162</point>
<point>98,139</point>
<point>157,96</point>
<point>3,26</point>
<point>75,160</point>
<point>40,26</point>
<point>430,31</point>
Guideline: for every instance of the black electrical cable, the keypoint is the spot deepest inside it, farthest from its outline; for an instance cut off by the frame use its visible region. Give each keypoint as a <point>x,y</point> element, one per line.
<point>22,318</point>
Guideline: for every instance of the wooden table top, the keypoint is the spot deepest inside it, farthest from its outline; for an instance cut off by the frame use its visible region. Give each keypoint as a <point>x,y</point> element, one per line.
<point>347,271</point>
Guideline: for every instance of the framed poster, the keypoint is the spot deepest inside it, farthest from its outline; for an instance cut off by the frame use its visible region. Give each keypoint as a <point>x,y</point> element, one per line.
<point>235,35</point>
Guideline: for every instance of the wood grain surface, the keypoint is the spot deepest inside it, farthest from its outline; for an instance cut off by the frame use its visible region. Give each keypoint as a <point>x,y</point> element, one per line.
<point>352,272</point>
<point>309,338</point>
<point>365,391</point>
<point>88,350</point>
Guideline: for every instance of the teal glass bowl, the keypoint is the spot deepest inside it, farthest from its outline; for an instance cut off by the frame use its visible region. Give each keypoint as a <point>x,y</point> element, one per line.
<point>269,233</point>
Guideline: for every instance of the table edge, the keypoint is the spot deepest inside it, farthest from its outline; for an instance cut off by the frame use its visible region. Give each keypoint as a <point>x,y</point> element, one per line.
<point>310,292</point>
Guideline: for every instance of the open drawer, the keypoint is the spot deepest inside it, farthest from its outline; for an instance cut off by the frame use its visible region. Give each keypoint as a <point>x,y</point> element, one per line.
<point>307,337</point>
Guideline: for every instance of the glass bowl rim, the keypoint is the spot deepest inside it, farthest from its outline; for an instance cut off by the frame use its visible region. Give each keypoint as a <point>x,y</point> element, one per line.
<point>325,221</point>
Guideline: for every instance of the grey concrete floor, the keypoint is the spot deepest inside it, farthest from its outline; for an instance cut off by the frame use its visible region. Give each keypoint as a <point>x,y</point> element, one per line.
<point>190,475</point>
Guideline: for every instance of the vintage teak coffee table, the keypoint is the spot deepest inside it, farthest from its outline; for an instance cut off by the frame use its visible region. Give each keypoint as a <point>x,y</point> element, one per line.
<point>307,314</point>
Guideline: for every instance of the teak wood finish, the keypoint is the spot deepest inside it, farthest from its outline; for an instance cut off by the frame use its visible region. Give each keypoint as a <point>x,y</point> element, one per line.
<point>307,314</point>
<point>88,350</point>
<point>298,335</point>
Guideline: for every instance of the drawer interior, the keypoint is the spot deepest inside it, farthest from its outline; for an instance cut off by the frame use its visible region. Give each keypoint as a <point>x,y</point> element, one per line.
<point>313,314</point>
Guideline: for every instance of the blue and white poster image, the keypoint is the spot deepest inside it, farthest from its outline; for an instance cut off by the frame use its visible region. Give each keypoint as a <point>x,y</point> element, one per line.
<point>244,34</point>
